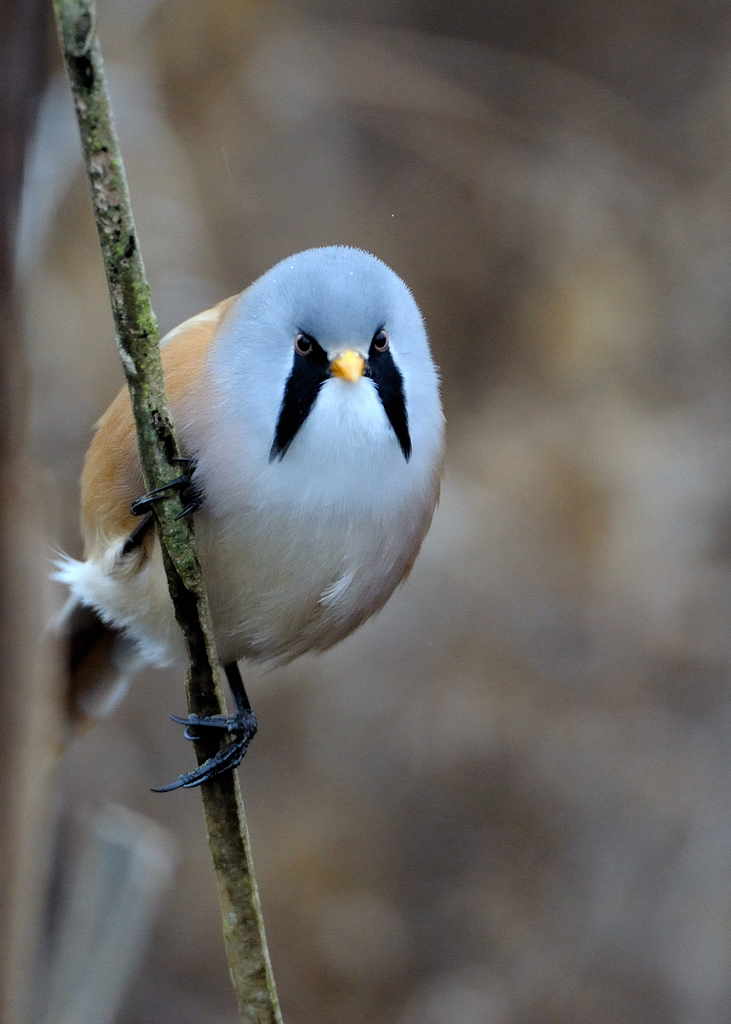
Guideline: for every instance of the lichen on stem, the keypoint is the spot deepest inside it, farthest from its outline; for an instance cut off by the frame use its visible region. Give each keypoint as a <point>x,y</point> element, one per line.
<point>137,340</point>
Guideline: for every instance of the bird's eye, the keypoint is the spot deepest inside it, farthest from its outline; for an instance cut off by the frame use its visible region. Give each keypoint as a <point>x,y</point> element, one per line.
<point>380,341</point>
<point>302,345</point>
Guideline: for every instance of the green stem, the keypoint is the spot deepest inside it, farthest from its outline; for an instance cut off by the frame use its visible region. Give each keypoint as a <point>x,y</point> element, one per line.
<point>137,339</point>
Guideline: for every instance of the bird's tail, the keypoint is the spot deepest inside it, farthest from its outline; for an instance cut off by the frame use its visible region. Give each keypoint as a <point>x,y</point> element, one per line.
<point>101,661</point>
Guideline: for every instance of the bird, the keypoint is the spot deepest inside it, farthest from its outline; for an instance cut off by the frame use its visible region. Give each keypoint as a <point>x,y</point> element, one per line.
<point>308,410</point>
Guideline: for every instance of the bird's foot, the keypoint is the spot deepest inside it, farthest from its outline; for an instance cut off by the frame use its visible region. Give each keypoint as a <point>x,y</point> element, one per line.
<point>241,729</point>
<point>190,496</point>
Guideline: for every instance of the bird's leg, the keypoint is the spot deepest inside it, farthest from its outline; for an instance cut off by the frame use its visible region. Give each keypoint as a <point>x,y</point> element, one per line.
<point>190,495</point>
<point>240,728</point>
<point>243,720</point>
<point>192,499</point>
<point>138,534</point>
<point>238,690</point>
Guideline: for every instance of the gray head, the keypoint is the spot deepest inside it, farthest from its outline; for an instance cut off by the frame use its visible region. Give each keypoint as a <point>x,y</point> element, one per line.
<point>284,351</point>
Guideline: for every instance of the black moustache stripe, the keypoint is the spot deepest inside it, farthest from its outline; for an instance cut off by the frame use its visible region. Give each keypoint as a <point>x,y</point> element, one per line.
<point>390,386</point>
<point>309,373</point>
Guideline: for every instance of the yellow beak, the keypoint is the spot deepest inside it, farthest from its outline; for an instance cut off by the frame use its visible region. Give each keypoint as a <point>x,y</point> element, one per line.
<point>348,366</point>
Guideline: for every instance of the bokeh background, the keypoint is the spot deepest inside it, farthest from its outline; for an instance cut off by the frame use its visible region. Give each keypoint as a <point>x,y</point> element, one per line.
<point>507,800</point>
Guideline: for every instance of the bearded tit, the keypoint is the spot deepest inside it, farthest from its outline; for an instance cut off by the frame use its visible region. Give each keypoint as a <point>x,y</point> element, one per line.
<point>308,407</point>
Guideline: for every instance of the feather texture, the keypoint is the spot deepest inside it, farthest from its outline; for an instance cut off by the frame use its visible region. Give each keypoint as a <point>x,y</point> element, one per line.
<point>296,551</point>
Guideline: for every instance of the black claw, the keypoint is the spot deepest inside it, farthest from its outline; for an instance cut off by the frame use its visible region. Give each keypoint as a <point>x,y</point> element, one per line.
<point>184,483</point>
<point>228,758</point>
<point>241,728</point>
<point>242,722</point>
<point>140,506</point>
<point>192,507</point>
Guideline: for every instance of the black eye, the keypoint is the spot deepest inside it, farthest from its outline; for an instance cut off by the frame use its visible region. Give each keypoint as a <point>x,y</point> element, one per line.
<point>380,341</point>
<point>302,344</point>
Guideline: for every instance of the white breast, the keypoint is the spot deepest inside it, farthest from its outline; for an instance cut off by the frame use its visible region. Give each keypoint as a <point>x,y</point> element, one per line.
<point>299,551</point>
<point>296,553</point>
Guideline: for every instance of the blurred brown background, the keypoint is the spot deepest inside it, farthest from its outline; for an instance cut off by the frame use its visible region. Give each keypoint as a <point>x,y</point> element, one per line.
<point>507,800</point>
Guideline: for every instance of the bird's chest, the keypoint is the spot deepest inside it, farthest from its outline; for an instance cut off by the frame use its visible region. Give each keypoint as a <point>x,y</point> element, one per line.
<point>298,550</point>
<point>284,583</point>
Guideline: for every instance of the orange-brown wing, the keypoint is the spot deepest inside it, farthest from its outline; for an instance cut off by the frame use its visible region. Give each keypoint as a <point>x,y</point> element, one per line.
<point>112,478</point>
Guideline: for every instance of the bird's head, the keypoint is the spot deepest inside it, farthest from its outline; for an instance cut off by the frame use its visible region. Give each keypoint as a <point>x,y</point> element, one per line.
<point>326,357</point>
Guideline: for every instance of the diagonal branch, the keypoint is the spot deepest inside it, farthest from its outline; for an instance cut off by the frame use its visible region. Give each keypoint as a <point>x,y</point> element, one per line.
<point>137,339</point>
